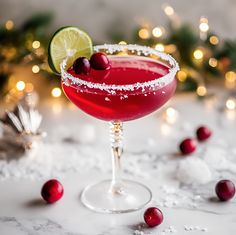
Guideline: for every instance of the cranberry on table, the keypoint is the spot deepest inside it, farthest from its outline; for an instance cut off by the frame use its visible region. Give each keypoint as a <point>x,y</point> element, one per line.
<point>188,146</point>
<point>52,191</point>
<point>99,61</point>
<point>81,65</point>
<point>225,190</point>
<point>203,133</point>
<point>153,217</point>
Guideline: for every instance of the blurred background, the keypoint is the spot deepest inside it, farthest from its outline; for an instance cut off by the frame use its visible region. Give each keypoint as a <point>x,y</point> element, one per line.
<point>199,34</point>
<point>97,17</point>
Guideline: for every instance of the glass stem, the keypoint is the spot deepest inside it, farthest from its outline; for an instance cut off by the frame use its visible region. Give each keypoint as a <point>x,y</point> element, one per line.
<point>116,136</point>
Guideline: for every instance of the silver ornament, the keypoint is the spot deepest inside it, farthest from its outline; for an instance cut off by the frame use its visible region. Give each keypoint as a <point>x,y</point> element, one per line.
<point>25,125</point>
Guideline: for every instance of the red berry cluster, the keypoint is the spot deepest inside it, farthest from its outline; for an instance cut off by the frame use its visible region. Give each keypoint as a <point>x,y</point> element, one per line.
<point>189,145</point>
<point>98,61</point>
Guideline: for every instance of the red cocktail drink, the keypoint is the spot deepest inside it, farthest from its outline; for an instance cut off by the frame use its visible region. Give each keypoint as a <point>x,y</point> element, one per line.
<point>122,105</point>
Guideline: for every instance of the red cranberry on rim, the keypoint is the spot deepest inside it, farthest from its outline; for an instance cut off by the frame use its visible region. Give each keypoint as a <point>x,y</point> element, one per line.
<point>81,65</point>
<point>203,133</point>
<point>99,61</point>
<point>225,190</point>
<point>153,217</point>
<point>188,146</point>
<point>52,191</point>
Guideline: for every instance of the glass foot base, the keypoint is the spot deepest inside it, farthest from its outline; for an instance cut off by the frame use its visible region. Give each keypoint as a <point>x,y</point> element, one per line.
<point>98,197</point>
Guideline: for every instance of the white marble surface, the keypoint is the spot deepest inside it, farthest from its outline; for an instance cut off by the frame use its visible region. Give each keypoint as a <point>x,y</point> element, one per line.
<point>152,145</point>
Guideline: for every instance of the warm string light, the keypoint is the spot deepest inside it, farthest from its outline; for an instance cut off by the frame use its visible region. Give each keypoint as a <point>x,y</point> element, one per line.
<point>56,92</point>
<point>36,44</point>
<point>203,27</point>
<point>182,76</point>
<point>169,10</point>
<point>214,40</point>
<point>230,79</point>
<point>198,54</point>
<point>201,90</point>
<point>230,107</point>
<point>122,43</point>
<point>20,85</point>
<point>9,25</point>
<point>144,33</point>
<point>35,69</point>
<point>171,115</point>
<point>213,62</point>
<point>160,47</point>
<point>170,13</point>
<point>157,32</point>
<point>230,104</point>
<point>125,51</point>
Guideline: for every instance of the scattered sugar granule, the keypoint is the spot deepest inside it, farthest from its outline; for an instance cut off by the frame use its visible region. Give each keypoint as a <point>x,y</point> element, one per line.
<point>172,229</point>
<point>190,228</point>
<point>138,232</point>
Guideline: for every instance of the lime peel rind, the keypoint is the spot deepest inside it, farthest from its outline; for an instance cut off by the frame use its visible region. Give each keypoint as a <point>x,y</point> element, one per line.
<point>68,42</point>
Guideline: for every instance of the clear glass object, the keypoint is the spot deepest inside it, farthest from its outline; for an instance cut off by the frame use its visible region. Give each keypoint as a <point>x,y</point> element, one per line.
<point>120,195</point>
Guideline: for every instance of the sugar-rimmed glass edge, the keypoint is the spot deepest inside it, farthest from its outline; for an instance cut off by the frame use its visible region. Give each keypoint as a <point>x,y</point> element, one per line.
<point>113,48</point>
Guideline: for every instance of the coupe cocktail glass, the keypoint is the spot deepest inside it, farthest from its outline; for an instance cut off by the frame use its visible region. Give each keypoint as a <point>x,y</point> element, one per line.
<point>140,80</point>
